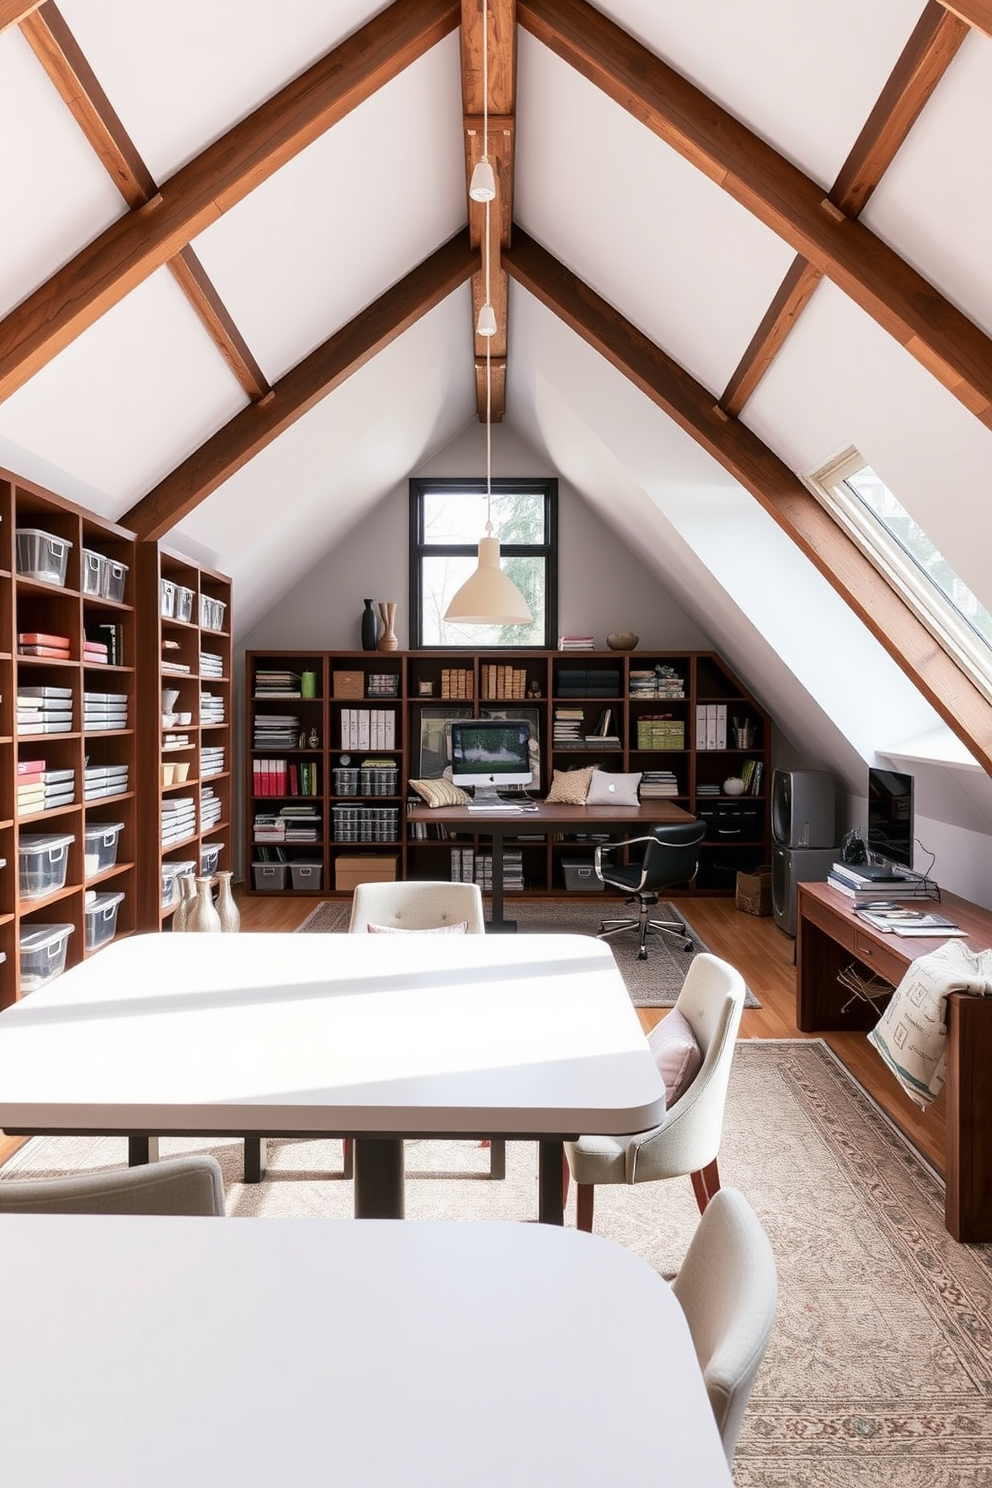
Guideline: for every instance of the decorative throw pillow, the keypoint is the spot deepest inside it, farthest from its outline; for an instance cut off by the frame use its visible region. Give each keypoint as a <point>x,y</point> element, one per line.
<point>439,792</point>
<point>570,787</point>
<point>613,790</point>
<point>676,1054</point>
<point>461,928</point>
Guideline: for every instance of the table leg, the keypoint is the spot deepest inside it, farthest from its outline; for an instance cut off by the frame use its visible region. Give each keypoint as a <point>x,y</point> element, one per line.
<point>497,924</point>
<point>256,1157</point>
<point>550,1204</point>
<point>141,1150</point>
<point>379,1178</point>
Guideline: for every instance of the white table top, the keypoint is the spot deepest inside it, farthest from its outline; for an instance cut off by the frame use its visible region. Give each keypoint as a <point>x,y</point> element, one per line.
<point>431,1354</point>
<point>488,1035</point>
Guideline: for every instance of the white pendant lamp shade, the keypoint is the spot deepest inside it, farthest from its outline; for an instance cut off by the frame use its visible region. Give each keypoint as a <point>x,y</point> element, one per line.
<point>489,597</point>
<point>483,184</point>
<point>486,325</point>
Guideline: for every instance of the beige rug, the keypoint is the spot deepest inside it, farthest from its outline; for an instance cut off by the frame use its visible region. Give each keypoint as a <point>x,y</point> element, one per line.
<point>879,1371</point>
<point>655,982</point>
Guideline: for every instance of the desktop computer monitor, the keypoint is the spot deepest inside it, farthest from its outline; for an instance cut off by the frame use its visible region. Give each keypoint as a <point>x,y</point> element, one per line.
<point>891,827</point>
<point>488,753</point>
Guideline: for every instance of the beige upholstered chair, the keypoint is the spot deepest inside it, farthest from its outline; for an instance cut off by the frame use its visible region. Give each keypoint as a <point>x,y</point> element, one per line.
<point>413,905</point>
<point>178,1185</point>
<point>727,1287</point>
<point>422,905</point>
<point>687,1140</point>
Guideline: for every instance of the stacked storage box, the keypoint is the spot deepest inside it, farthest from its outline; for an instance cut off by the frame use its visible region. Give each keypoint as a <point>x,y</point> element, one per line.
<point>100,844</point>
<point>104,710</point>
<point>210,808</point>
<point>178,818</point>
<point>44,710</point>
<point>104,780</point>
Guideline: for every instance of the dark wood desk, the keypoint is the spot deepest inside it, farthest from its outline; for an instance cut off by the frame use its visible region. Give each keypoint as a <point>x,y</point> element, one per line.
<point>829,937</point>
<point>549,817</point>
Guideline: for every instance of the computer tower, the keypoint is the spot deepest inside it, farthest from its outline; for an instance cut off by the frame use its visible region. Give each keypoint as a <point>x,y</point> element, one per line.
<point>792,866</point>
<point>803,808</point>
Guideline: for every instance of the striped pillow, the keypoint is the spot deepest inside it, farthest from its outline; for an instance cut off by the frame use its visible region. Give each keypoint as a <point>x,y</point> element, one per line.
<point>439,792</point>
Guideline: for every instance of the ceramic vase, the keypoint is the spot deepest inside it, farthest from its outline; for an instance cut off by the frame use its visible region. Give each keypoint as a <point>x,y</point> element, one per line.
<point>387,614</point>
<point>370,628</point>
<point>187,893</point>
<point>230,915</point>
<point>203,916</point>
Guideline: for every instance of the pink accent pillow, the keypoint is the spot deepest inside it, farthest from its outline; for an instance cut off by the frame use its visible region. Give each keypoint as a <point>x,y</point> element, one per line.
<point>460,928</point>
<point>676,1054</point>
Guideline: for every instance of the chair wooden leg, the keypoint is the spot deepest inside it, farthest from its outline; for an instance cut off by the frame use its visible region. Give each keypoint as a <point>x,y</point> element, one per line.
<point>584,1194</point>
<point>349,1157</point>
<point>705,1183</point>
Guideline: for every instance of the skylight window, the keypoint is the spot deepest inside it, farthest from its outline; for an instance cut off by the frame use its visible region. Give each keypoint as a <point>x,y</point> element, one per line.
<point>898,546</point>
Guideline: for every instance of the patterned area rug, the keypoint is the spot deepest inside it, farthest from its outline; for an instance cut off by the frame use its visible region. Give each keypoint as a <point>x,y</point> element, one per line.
<point>879,1370</point>
<point>655,982</point>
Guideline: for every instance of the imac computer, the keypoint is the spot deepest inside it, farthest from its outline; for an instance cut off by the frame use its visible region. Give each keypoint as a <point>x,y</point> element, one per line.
<point>890,822</point>
<point>487,754</point>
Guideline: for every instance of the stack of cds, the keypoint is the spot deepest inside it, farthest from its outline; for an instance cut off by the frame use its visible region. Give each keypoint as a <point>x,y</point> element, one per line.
<point>104,710</point>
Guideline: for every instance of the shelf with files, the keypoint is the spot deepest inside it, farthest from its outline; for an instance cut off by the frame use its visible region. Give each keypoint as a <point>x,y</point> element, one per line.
<point>186,737</point>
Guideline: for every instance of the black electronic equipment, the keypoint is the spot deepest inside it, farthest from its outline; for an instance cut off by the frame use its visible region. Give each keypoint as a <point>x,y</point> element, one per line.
<point>803,809</point>
<point>890,817</point>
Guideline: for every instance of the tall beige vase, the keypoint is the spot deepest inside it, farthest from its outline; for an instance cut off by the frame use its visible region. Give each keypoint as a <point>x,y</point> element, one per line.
<point>230,915</point>
<point>187,894</point>
<point>387,613</point>
<point>203,916</point>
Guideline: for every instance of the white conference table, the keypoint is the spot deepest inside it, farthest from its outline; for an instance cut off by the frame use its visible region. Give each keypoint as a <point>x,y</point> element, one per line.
<point>378,1037</point>
<point>432,1354</point>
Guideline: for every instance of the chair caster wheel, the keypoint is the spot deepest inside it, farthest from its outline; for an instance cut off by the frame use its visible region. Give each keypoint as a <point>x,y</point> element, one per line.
<point>642,955</point>
<point>688,946</point>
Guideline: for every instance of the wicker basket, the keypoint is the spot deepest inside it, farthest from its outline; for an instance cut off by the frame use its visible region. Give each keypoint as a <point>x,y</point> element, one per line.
<point>754,892</point>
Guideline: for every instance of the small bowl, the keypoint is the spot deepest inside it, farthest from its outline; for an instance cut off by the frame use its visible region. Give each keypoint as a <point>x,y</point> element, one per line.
<point>168,774</point>
<point>184,719</point>
<point>181,770</point>
<point>622,640</point>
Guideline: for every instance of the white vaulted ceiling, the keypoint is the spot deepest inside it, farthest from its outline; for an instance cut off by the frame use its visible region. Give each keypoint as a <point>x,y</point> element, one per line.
<point>659,235</point>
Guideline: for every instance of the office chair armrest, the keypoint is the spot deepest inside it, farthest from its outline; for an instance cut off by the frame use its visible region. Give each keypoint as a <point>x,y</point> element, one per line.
<point>610,847</point>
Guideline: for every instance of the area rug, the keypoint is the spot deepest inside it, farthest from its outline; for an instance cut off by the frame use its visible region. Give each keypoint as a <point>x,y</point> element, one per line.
<point>655,982</point>
<point>879,1369</point>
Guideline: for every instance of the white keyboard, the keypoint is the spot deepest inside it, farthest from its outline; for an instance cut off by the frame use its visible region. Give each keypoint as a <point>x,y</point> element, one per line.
<point>493,806</point>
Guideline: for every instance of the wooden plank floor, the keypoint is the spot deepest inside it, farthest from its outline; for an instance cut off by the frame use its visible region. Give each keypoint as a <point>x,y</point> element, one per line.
<point>765,958</point>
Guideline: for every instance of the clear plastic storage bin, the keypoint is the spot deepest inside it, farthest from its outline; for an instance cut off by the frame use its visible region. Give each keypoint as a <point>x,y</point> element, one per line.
<point>270,876</point>
<point>307,874</point>
<point>92,570</point>
<point>171,874</point>
<point>211,613</point>
<point>183,603</point>
<point>42,863</point>
<point>209,858</point>
<point>100,847</point>
<point>42,953</point>
<point>167,599</point>
<point>101,919</point>
<point>113,579</point>
<point>42,555</point>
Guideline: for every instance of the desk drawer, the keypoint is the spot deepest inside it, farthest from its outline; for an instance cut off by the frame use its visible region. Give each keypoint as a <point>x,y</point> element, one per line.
<point>883,962</point>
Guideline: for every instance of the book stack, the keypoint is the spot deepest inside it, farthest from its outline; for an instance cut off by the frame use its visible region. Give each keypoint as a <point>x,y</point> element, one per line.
<point>111,638</point>
<point>856,882</point>
<point>575,643</point>
<point>275,684</point>
<point>40,643</point>
<point>567,729</point>
<point>210,808</point>
<point>44,710</point>
<point>30,787</point>
<point>212,760</point>
<point>211,665</point>
<point>104,710</point>
<point>658,784</point>
<point>268,827</point>
<point>276,731</point>
<point>457,682</point>
<point>96,652</point>
<point>604,732</point>
<point>178,818</point>
<point>211,707</point>
<point>504,682</point>
<point>751,772</point>
<point>662,681</point>
<point>301,823</point>
<point>576,682</point>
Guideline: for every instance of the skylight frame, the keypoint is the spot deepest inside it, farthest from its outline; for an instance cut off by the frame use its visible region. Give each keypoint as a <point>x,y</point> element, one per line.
<point>946,622</point>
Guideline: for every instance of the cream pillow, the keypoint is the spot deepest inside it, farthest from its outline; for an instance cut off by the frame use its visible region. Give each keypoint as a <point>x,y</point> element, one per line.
<point>676,1054</point>
<point>570,787</point>
<point>461,928</point>
<point>613,790</point>
<point>439,792</point>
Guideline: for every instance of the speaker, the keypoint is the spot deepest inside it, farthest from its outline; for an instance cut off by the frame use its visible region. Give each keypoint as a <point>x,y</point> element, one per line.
<point>792,866</point>
<point>803,809</point>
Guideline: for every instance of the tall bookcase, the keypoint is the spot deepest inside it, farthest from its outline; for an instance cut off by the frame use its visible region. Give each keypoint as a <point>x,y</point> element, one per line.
<point>185,765</point>
<point>681,719</point>
<point>68,729</point>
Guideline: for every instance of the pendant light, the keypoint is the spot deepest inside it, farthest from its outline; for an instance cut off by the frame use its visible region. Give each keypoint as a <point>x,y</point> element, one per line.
<point>482,187</point>
<point>488,597</point>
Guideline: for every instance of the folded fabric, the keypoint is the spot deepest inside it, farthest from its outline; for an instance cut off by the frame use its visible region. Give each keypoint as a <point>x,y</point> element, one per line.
<point>461,928</point>
<point>613,790</point>
<point>911,1035</point>
<point>439,792</point>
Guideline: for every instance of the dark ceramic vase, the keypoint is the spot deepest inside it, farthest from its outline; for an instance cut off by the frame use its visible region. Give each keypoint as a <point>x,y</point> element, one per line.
<point>370,630</point>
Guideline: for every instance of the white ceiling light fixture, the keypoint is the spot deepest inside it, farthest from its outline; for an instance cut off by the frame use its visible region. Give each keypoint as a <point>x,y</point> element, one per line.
<point>482,187</point>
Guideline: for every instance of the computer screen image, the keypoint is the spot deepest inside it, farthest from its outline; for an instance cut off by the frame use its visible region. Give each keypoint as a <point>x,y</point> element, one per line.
<point>891,829</point>
<point>490,753</point>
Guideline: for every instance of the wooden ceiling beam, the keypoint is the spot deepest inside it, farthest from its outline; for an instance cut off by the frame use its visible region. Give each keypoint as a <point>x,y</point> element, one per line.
<point>925,58</point>
<point>502,73</point>
<point>325,369</point>
<point>922,320</point>
<point>12,12</point>
<point>769,480</point>
<point>794,294</point>
<point>130,250</point>
<point>975,13</point>
<point>218,322</point>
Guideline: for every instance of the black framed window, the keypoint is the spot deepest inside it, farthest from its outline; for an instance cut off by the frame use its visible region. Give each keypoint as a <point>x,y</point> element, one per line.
<point>447,518</point>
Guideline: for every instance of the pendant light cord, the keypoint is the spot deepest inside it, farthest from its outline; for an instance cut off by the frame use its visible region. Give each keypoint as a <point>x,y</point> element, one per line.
<point>489,380</point>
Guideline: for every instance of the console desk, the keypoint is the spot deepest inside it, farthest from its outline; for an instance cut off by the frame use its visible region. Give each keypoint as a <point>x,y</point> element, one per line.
<point>635,821</point>
<point>829,937</point>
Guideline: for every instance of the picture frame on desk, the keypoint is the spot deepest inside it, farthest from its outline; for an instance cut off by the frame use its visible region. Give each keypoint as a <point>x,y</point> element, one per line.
<point>434,753</point>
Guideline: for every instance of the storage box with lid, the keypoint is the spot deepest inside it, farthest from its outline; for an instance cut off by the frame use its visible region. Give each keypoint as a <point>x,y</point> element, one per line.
<point>92,565</point>
<point>378,780</point>
<point>269,877</point>
<point>210,857</point>
<point>100,842</point>
<point>43,860</point>
<point>183,603</point>
<point>172,870</point>
<point>167,599</point>
<point>660,733</point>
<point>42,950</point>
<point>100,914</point>
<point>353,869</point>
<point>346,780</point>
<point>580,876</point>
<point>348,684</point>
<point>42,555</point>
<point>113,579</point>
<point>307,874</point>
<point>211,613</point>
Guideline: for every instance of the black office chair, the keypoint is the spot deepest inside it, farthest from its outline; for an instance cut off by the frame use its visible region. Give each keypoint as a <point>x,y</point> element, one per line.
<point>671,856</point>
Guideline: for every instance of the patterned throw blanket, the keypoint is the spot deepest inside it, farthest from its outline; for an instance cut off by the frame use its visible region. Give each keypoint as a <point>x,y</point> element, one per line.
<point>911,1035</point>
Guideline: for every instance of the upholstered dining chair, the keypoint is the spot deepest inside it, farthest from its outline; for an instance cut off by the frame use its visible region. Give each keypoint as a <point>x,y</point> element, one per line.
<point>670,856</point>
<point>727,1286</point>
<point>177,1185</point>
<point>700,1036</point>
<point>425,905</point>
